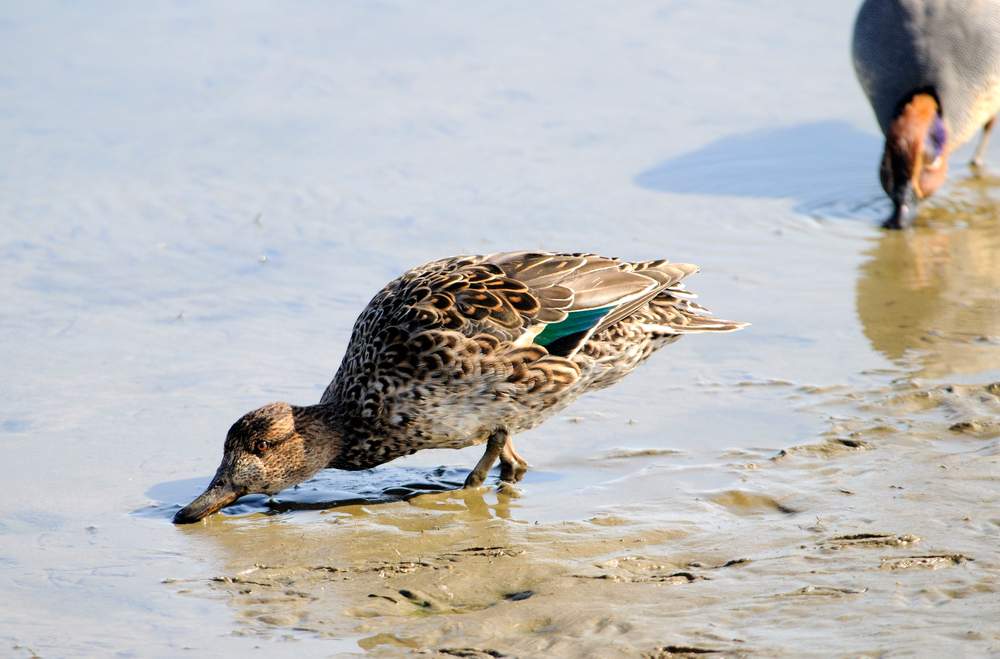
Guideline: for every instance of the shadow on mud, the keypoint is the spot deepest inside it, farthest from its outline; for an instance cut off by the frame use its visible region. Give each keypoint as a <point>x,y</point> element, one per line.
<point>828,168</point>
<point>327,490</point>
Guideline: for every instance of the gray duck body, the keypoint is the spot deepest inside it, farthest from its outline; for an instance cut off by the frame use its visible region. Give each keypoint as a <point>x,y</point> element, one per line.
<point>461,351</point>
<point>951,47</point>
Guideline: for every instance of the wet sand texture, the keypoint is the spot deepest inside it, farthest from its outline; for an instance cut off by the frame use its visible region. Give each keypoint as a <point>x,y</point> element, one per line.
<point>198,200</point>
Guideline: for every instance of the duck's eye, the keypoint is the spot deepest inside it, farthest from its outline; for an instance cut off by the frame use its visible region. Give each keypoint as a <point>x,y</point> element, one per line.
<point>260,446</point>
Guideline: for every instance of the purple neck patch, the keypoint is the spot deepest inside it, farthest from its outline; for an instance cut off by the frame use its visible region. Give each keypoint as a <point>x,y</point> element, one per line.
<point>936,136</point>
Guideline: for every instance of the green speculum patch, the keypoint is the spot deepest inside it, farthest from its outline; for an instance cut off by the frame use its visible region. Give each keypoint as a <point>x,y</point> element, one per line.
<point>576,321</point>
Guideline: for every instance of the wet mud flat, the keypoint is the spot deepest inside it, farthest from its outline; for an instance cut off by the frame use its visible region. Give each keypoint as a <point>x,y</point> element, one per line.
<point>878,540</point>
<point>878,537</point>
<point>821,484</point>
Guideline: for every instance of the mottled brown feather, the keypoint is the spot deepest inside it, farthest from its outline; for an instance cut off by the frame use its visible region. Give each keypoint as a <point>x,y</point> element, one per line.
<point>432,360</point>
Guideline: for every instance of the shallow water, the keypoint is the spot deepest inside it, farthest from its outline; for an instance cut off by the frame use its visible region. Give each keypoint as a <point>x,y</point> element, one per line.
<point>198,201</point>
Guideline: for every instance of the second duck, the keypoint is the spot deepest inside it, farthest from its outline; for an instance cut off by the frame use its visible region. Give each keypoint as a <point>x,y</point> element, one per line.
<point>931,69</point>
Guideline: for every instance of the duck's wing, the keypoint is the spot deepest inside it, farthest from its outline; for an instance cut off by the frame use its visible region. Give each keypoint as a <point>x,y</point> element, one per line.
<point>597,292</point>
<point>466,294</point>
<point>451,328</point>
<point>547,299</point>
<point>578,294</point>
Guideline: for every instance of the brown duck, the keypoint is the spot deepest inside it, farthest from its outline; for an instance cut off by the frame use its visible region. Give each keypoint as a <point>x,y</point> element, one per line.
<point>458,352</point>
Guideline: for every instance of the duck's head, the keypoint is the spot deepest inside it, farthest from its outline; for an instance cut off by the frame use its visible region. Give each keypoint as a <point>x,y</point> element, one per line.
<point>266,451</point>
<point>915,161</point>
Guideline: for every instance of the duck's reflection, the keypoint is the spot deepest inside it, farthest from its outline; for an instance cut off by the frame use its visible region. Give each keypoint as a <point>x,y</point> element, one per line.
<point>930,298</point>
<point>353,564</point>
<point>357,534</point>
<point>470,503</point>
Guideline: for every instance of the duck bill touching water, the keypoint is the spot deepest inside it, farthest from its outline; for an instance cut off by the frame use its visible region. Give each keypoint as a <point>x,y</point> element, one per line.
<point>915,162</point>
<point>458,352</point>
<point>931,69</point>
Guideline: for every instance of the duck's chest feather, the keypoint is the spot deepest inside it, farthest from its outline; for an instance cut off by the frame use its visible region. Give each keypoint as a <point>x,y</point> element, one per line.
<point>470,387</point>
<point>440,389</point>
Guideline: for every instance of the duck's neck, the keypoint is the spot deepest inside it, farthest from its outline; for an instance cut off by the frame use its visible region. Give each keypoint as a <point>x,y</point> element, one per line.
<point>322,430</point>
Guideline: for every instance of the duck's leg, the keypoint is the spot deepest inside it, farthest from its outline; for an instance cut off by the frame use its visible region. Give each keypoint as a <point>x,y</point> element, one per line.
<point>977,160</point>
<point>512,466</point>
<point>494,445</point>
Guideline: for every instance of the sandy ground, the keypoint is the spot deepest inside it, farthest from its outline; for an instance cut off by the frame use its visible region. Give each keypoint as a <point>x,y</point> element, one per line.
<point>881,543</point>
<point>197,200</point>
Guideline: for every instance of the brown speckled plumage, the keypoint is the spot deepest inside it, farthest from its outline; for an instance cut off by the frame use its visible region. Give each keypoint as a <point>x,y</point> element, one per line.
<point>462,350</point>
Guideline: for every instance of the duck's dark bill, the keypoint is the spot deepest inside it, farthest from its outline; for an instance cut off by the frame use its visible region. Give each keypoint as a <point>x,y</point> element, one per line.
<point>215,497</point>
<point>902,216</point>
